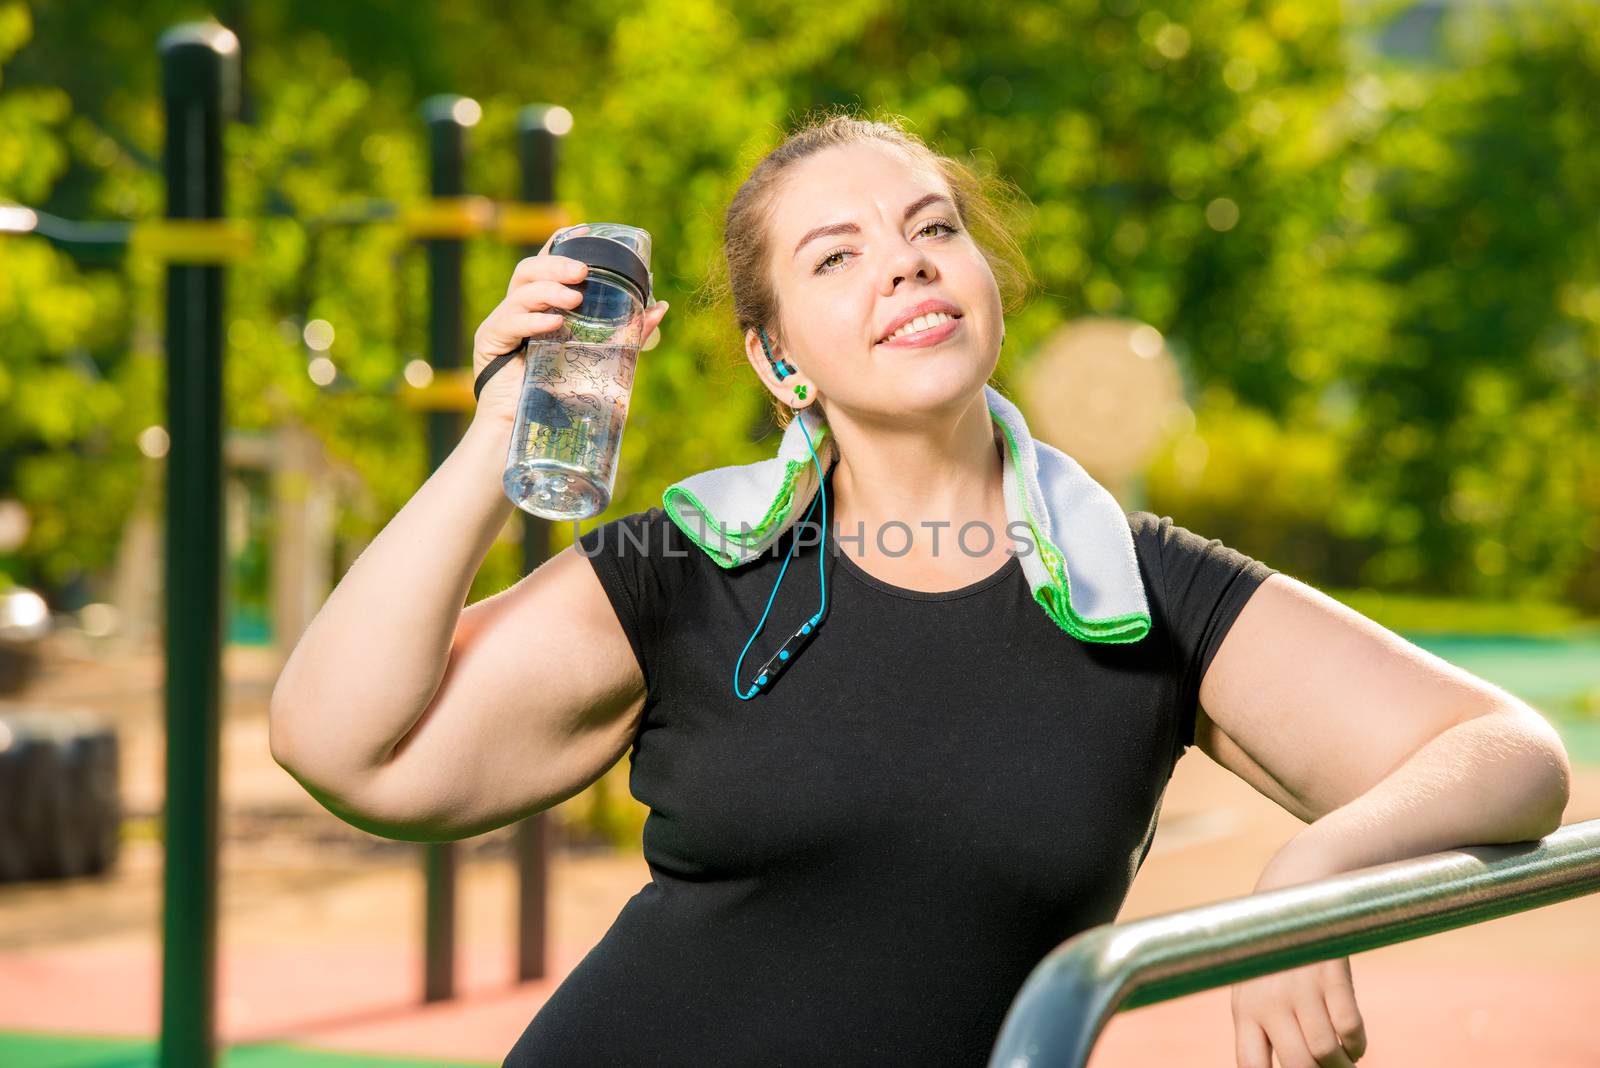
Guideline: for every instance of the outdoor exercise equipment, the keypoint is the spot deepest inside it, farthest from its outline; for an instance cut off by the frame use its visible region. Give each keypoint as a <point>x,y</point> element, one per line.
<point>200,87</point>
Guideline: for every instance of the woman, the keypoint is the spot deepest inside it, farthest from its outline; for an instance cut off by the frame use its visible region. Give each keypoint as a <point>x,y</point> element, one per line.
<point>861,861</point>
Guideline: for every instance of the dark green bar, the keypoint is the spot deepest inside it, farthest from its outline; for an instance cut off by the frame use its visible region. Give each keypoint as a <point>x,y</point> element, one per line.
<point>446,351</point>
<point>538,149</point>
<point>199,66</point>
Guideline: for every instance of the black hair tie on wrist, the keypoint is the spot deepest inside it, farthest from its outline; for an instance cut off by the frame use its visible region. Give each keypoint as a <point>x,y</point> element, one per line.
<point>494,365</point>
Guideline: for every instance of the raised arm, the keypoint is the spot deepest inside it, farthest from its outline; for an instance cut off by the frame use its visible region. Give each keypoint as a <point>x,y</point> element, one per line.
<point>412,718</point>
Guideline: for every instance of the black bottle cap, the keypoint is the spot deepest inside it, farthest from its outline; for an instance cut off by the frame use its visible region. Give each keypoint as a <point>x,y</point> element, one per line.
<point>612,255</point>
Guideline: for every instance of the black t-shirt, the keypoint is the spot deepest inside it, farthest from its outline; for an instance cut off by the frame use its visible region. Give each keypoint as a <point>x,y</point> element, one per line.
<point>863,864</point>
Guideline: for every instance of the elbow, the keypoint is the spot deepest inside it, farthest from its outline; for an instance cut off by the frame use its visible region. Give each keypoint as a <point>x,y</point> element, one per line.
<point>1560,786</point>
<point>1547,779</point>
<point>278,739</point>
<point>331,786</point>
<point>1556,773</point>
<point>1543,820</point>
<point>367,802</point>
<point>363,806</point>
<point>278,730</point>
<point>1557,791</point>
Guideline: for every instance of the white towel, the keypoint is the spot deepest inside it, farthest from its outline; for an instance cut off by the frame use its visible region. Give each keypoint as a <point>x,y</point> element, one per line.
<point>1076,547</point>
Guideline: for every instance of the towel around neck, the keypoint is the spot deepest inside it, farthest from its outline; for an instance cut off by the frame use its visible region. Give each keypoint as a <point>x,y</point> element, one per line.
<point>1072,535</point>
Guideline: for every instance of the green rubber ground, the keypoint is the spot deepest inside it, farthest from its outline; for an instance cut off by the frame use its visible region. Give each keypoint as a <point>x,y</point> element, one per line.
<point>19,1050</point>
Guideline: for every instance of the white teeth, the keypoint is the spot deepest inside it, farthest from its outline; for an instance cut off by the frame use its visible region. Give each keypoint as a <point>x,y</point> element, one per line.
<point>921,322</point>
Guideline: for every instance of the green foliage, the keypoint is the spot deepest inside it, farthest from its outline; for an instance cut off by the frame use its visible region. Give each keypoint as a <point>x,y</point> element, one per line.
<point>1382,282</point>
<point>1413,614</point>
<point>1480,412</point>
<point>1273,490</point>
<point>59,414</point>
<point>607,811</point>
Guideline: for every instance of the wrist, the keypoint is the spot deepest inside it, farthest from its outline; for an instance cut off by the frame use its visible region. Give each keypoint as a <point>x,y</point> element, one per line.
<point>482,451</point>
<point>489,435</point>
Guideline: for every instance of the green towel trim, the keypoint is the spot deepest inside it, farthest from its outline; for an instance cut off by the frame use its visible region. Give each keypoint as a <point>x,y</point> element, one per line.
<point>677,501</point>
<point>1056,597</point>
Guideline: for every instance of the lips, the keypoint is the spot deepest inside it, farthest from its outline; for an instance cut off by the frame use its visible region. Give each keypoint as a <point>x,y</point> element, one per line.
<point>912,338</point>
<point>927,307</point>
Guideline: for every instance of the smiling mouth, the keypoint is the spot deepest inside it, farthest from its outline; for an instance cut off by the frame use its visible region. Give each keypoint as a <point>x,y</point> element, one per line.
<point>913,335</point>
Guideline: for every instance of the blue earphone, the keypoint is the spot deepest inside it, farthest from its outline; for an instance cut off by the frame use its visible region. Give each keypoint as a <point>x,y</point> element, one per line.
<point>798,641</point>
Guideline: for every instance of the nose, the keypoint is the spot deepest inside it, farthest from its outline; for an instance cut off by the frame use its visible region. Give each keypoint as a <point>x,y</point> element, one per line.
<point>905,259</point>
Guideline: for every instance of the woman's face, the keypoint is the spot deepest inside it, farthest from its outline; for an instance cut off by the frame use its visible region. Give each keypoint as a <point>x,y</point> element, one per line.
<point>860,235</point>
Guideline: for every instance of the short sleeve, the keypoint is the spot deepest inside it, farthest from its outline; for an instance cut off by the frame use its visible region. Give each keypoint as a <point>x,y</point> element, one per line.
<point>1203,585</point>
<point>643,561</point>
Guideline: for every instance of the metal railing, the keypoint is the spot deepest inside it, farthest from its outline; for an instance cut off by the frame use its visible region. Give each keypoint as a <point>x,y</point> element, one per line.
<point>1070,995</point>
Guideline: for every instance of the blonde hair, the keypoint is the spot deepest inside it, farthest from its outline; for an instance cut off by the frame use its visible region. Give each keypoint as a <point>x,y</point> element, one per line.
<point>987,206</point>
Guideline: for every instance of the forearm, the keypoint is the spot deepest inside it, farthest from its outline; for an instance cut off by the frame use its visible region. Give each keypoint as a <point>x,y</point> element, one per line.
<point>373,657</point>
<point>1496,778</point>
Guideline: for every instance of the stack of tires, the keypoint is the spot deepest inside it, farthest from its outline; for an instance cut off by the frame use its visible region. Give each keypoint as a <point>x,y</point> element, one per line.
<point>60,807</point>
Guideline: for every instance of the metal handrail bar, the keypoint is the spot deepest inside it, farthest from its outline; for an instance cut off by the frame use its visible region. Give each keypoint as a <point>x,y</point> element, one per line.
<point>1070,995</point>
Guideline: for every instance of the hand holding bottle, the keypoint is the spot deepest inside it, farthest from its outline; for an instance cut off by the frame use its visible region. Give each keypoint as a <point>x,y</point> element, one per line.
<point>541,290</point>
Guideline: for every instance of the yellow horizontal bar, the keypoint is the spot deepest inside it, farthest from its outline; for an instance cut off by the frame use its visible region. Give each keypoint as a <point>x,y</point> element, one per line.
<point>192,240</point>
<point>450,391</point>
<point>448,217</point>
<point>218,241</point>
<point>530,224</point>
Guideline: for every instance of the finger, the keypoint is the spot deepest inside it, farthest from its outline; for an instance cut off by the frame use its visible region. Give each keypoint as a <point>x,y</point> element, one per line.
<point>650,335</point>
<point>544,265</point>
<point>1340,999</point>
<point>1287,1043</point>
<point>1321,1041</point>
<point>542,295</point>
<point>1250,1047</point>
<point>571,231</point>
<point>577,230</point>
<point>504,332</point>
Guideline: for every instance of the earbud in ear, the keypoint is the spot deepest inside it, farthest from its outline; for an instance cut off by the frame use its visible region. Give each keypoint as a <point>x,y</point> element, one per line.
<point>782,368</point>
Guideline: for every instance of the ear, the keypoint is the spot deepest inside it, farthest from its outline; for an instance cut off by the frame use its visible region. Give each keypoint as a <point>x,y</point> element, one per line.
<point>758,359</point>
<point>794,390</point>
<point>753,353</point>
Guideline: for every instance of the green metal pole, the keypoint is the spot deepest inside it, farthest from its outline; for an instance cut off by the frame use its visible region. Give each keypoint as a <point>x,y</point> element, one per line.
<point>538,147</point>
<point>447,117</point>
<point>199,75</point>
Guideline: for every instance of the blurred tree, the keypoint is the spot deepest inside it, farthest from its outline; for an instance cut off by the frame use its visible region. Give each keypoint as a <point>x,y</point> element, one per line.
<point>61,408</point>
<point>1479,417</point>
<point>1381,283</point>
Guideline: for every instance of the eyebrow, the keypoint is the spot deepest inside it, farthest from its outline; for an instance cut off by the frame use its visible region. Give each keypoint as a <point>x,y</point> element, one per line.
<point>852,228</point>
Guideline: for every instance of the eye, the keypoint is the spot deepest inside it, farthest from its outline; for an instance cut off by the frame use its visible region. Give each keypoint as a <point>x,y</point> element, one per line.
<point>823,268</point>
<point>822,264</point>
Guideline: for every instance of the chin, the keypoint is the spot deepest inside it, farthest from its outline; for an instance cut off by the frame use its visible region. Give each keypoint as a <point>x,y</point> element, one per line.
<point>947,387</point>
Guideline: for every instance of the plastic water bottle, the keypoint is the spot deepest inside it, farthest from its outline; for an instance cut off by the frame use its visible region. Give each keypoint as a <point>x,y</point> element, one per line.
<point>577,382</point>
